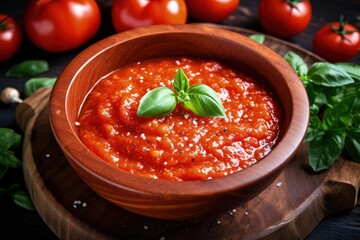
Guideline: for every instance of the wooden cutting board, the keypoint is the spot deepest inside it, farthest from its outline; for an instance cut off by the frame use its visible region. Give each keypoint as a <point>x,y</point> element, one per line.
<point>290,208</point>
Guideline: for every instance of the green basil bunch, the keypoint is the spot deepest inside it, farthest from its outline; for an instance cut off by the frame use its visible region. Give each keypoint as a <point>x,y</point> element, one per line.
<point>199,98</point>
<point>334,96</point>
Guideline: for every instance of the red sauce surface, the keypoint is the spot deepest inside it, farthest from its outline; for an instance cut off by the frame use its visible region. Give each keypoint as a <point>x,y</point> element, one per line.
<point>181,146</point>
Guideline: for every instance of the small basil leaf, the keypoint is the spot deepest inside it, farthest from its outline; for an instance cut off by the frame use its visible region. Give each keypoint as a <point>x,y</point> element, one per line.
<point>328,74</point>
<point>352,144</point>
<point>339,116</point>
<point>204,101</point>
<point>314,127</point>
<point>324,149</point>
<point>297,63</point>
<point>22,199</point>
<point>28,68</point>
<point>314,110</point>
<point>3,170</point>
<point>8,159</point>
<point>310,92</point>
<point>260,38</point>
<point>9,138</point>
<point>158,102</point>
<point>181,82</point>
<point>34,84</point>
<point>351,68</point>
<point>355,117</point>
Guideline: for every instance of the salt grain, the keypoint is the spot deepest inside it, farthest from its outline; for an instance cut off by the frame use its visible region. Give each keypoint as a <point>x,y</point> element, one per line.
<point>47,155</point>
<point>279,184</point>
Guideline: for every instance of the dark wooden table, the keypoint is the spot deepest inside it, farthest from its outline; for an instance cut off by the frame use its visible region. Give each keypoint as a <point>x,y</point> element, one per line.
<point>17,223</point>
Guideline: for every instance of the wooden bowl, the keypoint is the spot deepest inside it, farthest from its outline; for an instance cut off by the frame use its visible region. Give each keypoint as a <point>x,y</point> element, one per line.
<point>172,199</point>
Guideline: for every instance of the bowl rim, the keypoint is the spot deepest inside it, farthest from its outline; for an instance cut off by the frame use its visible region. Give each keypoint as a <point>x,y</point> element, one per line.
<point>116,177</point>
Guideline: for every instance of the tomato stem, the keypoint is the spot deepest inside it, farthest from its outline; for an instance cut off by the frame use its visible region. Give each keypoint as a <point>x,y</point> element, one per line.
<point>4,25</point>
<point>341,29</point>
<point>293,3</point>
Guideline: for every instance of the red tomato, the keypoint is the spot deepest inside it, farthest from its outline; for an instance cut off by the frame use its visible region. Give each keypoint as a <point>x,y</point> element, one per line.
<point>337,42</point>
<point>128,14</point>
<point>284,18</point>
<point>211,10</point>
<point>10,37</point>
<point>61,25</point>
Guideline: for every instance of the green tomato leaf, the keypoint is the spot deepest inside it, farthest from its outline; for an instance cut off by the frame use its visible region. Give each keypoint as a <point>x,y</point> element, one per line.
<point>204,101</point>
<point>158,102</point>
<point>260,38</point>
<point>324,149</point>
<point>28,68</point>
<point>352,69</point>
<point>34,84</point>
<point>297,63</point>
<point>352,144</point>
<point>329,75</point>
<point>22,199</point>
<point>181,82</point>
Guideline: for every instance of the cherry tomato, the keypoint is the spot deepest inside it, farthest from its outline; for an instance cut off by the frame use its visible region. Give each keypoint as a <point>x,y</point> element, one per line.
<point>61,25</point>
<point>10,37</point>
<point>284,18</point>
<point>337,42</point>
<point>211,10</point>
<point>128,14</point>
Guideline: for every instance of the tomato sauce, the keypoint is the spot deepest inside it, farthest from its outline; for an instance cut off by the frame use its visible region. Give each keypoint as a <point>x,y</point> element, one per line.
<point>181,146</point>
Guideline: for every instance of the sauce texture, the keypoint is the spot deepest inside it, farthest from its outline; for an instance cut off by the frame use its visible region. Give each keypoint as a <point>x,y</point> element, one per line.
<point>181,146</point>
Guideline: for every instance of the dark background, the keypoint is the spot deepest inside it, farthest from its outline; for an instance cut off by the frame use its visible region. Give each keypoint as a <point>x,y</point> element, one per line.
<point>18,223</point>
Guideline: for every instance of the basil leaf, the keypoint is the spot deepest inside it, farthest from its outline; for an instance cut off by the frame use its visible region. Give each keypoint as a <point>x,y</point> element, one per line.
<point>34,84</point>
<point>22,199</point>
<point>314,127</point>
<point>158,102</point>
<point>339,116</point>
<point>8,159</point>
<point>204,101</point>
<point>9,138</point>
<point>320,95</point>
<point>310,92</point>
<point>324,149</point>
<point>181,82</point>
<point>28,68</point>
<point>355,117</point>
<point>314,110</point>
<point>260,38</point>
<point>328,74</point>
<point>3,170</point>
<point>351,68</point>
<point>297,63</point>
<point>352,144</point>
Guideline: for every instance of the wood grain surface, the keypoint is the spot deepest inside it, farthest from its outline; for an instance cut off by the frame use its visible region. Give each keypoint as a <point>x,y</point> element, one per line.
<point>289,209</point>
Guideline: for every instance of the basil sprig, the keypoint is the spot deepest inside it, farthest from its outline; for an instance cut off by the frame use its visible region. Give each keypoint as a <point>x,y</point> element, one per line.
<point>334,96</point>
<point>199,98</point>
